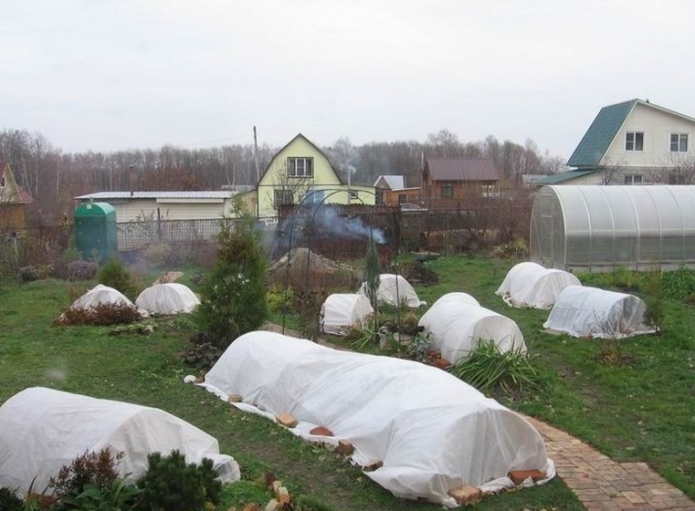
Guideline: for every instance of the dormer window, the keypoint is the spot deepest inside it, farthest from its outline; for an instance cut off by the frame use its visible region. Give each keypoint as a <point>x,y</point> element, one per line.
<point>634,141</point>
<point>679,142</point>
<point>300,167</point>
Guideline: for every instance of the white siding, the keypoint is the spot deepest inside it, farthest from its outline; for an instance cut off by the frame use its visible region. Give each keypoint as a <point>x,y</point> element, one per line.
<point>657,127</point>
<point>146,209</point>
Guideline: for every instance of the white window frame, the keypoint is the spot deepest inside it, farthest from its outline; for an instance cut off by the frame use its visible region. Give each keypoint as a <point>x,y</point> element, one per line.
<point>353,195</point>
<point>679,143</point>
<point>634,141</point>
<point>300,167</point>
<point>633,179</point>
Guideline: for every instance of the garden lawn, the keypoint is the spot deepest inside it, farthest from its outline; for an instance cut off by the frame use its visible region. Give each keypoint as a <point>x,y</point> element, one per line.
<point>644,411</point>
<point>633,399</point>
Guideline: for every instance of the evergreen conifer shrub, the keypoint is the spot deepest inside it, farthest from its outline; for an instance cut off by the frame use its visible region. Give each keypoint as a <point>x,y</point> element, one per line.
<point>233,297</point>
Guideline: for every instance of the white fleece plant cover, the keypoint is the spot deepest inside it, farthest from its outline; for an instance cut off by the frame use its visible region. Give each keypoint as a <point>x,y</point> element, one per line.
<point>432,432</point>
<point>456,323</point>
<point>42,430</point>
<point>394,290</point>
<point>595,313</point>
<point>342,310</point>
<point>171,298</point>
<point>101,294</point>
<point>531,285</point>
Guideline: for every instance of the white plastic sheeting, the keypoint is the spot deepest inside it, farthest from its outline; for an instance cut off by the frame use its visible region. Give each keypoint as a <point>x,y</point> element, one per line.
<point>171,298</point>
<point>44,429</point>
<point>99,295</point>
<point>394,290</point>
<point>590,312</point>
<point>342,310</point>
<point>456,323</point>
<point>530,285</point>
<point>432,432</point>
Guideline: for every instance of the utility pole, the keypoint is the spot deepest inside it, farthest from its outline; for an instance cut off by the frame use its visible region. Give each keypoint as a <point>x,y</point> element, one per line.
<point>255,155</point>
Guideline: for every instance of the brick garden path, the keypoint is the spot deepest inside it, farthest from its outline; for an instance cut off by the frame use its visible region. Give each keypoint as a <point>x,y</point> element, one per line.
<point>605,485</point>
<point>600,483</point>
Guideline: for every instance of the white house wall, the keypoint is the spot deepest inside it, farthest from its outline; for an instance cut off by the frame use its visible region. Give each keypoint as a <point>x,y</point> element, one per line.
<point>147,210</point>
<point>657,127</point>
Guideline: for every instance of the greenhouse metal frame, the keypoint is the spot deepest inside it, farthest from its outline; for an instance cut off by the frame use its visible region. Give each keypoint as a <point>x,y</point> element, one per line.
<point>603,228</point>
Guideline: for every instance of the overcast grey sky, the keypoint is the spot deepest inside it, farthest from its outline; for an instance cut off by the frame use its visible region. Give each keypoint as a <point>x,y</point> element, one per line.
<point>118,74</point>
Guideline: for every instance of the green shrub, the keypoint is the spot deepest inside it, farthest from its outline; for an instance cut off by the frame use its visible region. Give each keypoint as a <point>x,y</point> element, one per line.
<point>114,274</point>
<point>172,485</point>
<point>279,299</point>
<point>201,352</point>
<point>489,370</point>
<point>233,297</point>
<point>10,501</point>
<point>119,496</point>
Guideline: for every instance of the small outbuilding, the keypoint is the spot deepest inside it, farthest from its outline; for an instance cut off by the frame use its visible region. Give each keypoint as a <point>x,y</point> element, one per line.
<point>589,312</point>
<point>96,234</point>
<point>342,310</point>
<point>530,285</point>
<point>168,298</point>
<point>602,228</point>
<point>456,324</point>
<point>394,290</point>
<point>45,429</point>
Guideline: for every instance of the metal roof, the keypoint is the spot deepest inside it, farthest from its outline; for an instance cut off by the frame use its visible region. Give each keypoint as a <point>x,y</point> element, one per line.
<point>394,182</point>
<point>600,134</point>
<point>157,195</point>
<point>562,177</point>
<point>462,169</point>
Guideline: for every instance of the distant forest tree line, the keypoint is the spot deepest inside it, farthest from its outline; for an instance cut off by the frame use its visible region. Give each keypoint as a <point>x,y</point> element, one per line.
<point>53,177</point>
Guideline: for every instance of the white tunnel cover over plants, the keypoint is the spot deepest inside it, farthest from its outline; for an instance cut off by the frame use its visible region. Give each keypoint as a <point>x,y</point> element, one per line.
<point>394,290</point>
<point>456,324</point>
<point>101,294</point>
<point>43,429</point>
<point>171,298</point>
<point>530,285</point>
<point>595,313</point>
<point>342,310</point>
<point>432,432</point>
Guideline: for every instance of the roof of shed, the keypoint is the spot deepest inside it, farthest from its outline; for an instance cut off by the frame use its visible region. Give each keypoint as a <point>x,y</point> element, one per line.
<point>158,195</point>
<point>462,169</point>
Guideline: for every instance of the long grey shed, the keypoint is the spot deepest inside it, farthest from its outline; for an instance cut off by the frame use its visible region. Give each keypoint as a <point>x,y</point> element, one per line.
<point>602,228</point>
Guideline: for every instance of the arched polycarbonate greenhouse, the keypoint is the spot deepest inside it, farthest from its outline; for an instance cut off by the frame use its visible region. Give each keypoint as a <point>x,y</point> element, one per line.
<point>602,228</point>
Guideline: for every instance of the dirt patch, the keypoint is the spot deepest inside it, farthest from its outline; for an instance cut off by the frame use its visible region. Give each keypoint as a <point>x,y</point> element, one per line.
<point>301,268</point>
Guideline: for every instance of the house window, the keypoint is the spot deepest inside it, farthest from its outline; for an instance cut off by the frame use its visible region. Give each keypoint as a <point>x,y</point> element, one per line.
<point>447,191</point>
<point>314,196</point>
<point>401,198</point>
<point>676,179</point>
<point>354,194</point>
<point>2,182</point>
<point>679,142</point>
<point>300,167</point>
<point>634,141</point>
<point>283,197</point>
<point>489,191</point>
<point>633,179</point>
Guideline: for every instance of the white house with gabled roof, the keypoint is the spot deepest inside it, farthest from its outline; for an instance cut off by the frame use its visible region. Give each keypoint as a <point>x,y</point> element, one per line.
<point>632,143</point>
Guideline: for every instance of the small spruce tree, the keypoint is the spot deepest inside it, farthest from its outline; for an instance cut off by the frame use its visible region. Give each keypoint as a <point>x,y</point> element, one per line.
<point>233,300</point>
<point>372,271</point>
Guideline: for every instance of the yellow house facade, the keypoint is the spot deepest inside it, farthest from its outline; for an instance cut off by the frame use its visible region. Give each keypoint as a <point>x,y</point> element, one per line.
<point>301,173</point>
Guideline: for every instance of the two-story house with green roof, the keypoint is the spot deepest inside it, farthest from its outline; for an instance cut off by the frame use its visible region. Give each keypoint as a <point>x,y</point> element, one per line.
<point>301,173</point>
<point>631,143</point>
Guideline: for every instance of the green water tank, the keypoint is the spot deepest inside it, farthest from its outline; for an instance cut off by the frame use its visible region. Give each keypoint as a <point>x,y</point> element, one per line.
<point>95,231</point>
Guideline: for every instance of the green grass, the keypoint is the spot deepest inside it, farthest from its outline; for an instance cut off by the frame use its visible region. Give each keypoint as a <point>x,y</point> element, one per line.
<point>644,411</point>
